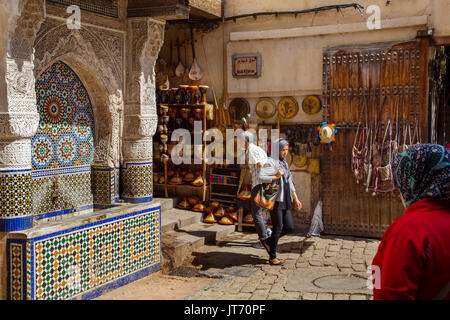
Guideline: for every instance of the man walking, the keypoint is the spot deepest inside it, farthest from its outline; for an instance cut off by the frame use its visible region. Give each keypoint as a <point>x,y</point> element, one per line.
<point>257,157</point>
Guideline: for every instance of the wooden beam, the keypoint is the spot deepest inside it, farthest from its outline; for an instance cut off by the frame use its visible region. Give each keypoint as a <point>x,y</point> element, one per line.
<point>169,11</point>
<point>209,9</point>
<point>441,41</point>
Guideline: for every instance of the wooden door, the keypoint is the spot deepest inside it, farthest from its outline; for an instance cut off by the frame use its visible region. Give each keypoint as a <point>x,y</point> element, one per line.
<point>379,77</point>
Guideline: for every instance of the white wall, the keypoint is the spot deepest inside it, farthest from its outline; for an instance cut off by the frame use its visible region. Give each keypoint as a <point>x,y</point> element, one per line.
<point>291,48</point>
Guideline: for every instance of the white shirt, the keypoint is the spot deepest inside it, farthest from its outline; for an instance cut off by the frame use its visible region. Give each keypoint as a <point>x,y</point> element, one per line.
<point>255,155</point>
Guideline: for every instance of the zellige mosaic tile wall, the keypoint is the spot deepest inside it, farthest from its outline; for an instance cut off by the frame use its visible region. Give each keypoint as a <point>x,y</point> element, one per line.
<point>62,149</point>
<point>138,181</point>
<point>68,263</point>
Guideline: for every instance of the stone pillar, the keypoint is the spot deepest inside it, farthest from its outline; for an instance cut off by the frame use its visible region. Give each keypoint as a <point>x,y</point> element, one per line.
<point>145,39</point>
<point>18,114</point>
<point>105,169</point>
<point>17,125</point>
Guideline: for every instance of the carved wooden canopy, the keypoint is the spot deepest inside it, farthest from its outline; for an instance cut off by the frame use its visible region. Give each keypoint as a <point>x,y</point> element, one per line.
<point>175,9</point>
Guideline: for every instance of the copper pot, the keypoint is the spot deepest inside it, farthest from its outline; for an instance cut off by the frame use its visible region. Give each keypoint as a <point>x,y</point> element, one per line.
<point>184,112</point>
<point>173,112</point>
<point>198,114</point>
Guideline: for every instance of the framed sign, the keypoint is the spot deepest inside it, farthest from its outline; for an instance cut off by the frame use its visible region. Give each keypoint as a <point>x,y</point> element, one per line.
<point>246,65</point>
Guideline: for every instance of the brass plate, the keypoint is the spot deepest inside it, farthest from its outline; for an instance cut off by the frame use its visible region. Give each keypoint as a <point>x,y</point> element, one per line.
<point>288,107</point>
<point>239,108</point>
<point>314,165</point>
<point>311,105</point>
<point>265,108</point>
<point>300,160</point>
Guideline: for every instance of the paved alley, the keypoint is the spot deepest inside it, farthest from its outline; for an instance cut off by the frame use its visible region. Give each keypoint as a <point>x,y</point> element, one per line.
<point>316,268</point>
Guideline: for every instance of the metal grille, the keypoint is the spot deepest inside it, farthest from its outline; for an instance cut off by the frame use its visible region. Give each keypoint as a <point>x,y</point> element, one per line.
<point>107,8</point>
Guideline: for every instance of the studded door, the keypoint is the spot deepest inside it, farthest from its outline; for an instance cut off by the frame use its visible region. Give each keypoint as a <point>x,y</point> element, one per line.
<point>365,83</point>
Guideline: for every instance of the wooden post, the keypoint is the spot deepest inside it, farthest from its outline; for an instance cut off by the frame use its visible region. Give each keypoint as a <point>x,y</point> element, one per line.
<point>422,108</point>
<point>278,122</point>
<point>240,216</point>
<point>165,178</point>
<point>203,152</point>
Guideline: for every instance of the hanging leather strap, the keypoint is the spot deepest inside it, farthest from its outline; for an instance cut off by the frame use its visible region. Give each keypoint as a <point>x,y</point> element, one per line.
<point>416,136</point>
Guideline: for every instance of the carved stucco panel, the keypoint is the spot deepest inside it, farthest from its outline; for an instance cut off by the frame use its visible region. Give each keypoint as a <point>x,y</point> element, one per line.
<point>18,125</point>
<point>22,118</point>
<point>25,21</point>
<point>20,83</point>
<point>108,133</point>
<point>85,50</point>
<point>116,109</point>
<point>74,43</point>
<point>15,153</point>
<point>101,151</point>
<point>137,31</point>
<point>138,150</point>
<point>147,38</point>
<point>148,57</point>
<point>137,126</point>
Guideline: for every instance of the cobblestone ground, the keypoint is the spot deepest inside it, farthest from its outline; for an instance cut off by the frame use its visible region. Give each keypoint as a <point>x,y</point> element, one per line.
<point>317,268</point>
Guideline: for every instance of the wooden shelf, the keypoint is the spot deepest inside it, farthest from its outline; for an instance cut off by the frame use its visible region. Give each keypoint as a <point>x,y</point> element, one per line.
<point>177,185</point>
<point>221,200</point>
<point>222,175</point>
<point>170,131</point>
<point>181,105</point>
<point>247,224</point>
<point>223,194</point>
<point>204,187</point>
<point>229,189</point>
<point>183,164</point>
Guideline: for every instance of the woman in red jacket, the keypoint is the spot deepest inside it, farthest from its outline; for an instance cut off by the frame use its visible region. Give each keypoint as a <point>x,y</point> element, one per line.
<point>414,254</point>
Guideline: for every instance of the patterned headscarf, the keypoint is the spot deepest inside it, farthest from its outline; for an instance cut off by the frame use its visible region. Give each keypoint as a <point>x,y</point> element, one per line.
<point>423,171</point>
<point>279,144</point>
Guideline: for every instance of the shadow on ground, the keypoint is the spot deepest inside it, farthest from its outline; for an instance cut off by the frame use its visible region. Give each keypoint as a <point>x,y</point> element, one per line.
<point>221,260</point>
<point>294,246</point>
<point>283,247</point>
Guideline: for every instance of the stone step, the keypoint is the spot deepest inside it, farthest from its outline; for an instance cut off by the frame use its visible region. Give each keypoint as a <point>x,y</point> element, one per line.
<point>176,218</point>
<point>211,232</point>
<point>178,244</point>
<point>166,203</point>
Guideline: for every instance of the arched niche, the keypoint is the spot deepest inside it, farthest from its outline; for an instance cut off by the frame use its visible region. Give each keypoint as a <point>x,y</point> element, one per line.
<point>98,185</point>
<point>85,54</point>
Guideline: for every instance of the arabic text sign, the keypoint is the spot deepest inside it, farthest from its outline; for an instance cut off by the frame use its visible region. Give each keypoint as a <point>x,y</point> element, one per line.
<point>247,65</point>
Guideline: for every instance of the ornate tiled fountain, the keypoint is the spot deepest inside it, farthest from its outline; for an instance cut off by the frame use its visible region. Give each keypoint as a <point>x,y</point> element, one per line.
<point>76,215</point>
